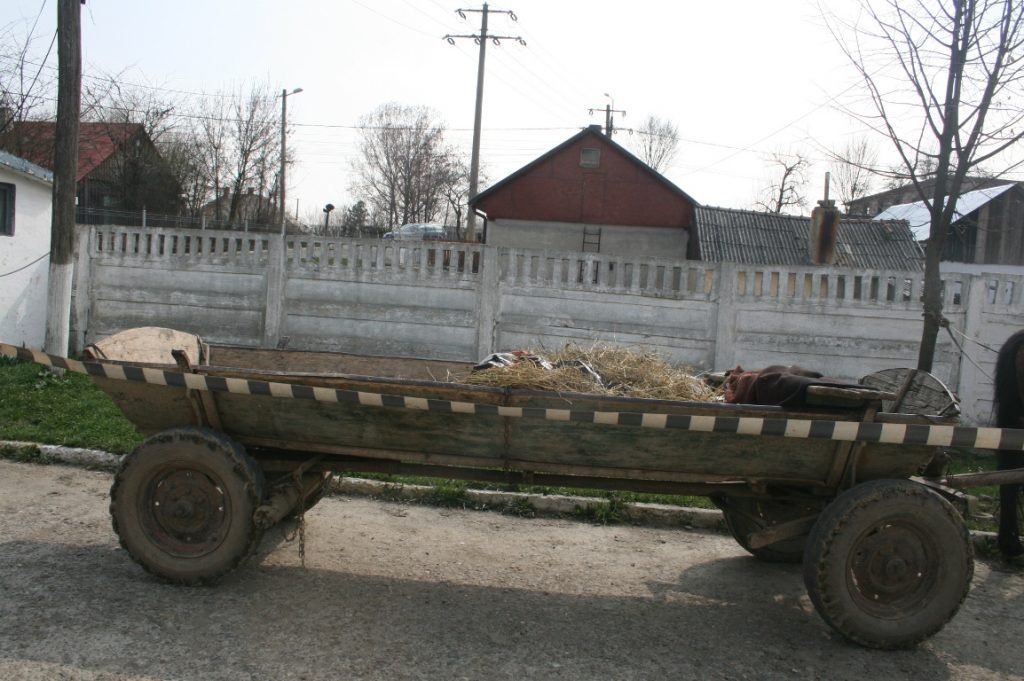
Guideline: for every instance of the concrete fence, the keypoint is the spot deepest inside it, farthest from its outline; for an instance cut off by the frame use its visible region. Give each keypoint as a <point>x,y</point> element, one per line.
<point>462,301</point>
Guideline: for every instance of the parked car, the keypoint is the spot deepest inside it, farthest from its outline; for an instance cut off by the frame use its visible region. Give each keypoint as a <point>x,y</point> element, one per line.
<point>417,231</point>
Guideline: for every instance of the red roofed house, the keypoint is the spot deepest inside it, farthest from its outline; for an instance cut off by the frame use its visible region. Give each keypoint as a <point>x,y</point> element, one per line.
<point>119,167</point>
<point>589,194</point>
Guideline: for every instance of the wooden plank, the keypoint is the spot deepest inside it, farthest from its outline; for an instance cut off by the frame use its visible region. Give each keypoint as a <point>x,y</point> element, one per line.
<point>452,462</point>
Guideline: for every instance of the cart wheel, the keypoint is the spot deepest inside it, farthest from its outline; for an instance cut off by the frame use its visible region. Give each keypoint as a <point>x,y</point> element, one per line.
<point>888,563</point>
<point>745,515</point>
<point>182,504</point>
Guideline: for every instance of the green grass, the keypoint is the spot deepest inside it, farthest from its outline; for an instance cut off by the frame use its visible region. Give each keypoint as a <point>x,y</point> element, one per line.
<point>37,405</point>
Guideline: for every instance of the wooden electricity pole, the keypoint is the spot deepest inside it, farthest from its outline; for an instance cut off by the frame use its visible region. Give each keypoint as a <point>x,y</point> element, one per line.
<point>65,165</point>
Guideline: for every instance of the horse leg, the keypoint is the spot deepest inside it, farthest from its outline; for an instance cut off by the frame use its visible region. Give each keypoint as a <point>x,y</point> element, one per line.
<point>1009,507</point>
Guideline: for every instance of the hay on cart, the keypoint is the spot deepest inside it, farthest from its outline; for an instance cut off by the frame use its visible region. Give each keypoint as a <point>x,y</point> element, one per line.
<point>624,371</point>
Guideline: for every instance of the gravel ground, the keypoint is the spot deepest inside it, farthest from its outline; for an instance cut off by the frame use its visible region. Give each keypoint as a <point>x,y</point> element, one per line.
<point>399,591</point>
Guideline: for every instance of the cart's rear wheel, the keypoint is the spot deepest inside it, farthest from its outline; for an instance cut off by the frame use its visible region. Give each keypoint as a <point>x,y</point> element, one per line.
<point>888,563</point>
<point>746,515</point>
<point>182,504</point>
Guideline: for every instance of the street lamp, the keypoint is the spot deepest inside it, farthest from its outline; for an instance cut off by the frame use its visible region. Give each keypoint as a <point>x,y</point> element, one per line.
<point>327,217</point>
<point>284,154</point>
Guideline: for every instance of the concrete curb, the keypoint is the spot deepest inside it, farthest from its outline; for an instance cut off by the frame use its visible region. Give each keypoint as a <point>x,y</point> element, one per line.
<point>73,456</point>
<point>651,515</point>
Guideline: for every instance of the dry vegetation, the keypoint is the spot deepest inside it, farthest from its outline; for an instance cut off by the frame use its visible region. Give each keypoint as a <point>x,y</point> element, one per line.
<point>630,372</point>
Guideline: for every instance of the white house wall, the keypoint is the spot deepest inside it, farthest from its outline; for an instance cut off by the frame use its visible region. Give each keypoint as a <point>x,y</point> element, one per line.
<point>23,285</point>
<point>616,240</point>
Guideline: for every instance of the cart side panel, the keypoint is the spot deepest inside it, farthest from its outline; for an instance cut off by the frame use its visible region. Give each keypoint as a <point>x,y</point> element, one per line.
<point>151,408</point>
<point>879,461</point>
<point>302,423</point>
<point>713,454</point>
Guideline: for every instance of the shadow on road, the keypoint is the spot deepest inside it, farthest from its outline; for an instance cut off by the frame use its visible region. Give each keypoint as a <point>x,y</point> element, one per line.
<point>91,608</point>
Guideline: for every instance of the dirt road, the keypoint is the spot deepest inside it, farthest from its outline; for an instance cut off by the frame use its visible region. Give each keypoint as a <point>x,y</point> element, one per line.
<point>394,591</point>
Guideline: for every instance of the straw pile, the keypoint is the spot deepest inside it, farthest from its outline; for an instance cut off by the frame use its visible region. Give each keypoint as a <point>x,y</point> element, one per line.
<point>628,372</point>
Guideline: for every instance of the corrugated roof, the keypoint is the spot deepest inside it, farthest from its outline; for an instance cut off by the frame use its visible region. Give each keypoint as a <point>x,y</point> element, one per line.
<point>751,237</point>
<point>25,167</point>
<point>919,218</point>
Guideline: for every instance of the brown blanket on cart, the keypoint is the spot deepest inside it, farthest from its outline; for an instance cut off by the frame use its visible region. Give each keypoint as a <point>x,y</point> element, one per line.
<point>776,385</point>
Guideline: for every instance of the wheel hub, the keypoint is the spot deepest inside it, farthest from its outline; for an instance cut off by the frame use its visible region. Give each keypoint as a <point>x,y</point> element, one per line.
<point>186,513</point>
<point>892,568</point>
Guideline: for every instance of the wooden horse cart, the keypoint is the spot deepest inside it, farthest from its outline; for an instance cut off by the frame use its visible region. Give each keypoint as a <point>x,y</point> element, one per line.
<point>240,438</point>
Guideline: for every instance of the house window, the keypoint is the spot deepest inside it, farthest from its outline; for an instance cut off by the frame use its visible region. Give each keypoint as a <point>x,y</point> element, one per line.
<point>590,157</point>
<point>6,209</point>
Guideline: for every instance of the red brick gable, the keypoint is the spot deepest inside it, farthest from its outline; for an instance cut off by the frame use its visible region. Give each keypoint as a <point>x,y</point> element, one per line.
<point>622,190</point>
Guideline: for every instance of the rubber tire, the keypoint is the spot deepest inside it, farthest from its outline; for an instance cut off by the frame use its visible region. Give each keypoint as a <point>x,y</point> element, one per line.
<point>845,554</point>
<point>224,466</point>
<point>737,512</point>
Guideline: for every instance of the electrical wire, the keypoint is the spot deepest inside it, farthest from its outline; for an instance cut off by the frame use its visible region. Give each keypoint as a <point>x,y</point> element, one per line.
<point>965,355</point>
<point>25,267</point>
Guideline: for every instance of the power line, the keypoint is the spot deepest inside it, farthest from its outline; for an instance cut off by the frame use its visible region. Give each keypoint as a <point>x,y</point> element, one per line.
<point>392,19</point>
<point>827,102</point>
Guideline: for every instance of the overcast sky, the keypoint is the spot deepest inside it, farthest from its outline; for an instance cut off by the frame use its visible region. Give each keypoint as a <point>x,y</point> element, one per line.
<point>741,79</point>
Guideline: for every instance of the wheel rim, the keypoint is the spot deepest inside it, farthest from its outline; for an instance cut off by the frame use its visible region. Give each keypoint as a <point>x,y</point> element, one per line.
<point>185,511</point>
<point>891,572</point>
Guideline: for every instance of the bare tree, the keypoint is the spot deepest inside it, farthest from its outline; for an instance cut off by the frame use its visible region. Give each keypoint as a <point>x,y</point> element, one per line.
<point>255,149</point>
<point>27,81</point>
<point>456,189</point>
<point>139,174</point>
<point>237,138</point>
<point>786,190</point>
<point>656,142</point>
<point>212,131</point>
<point>404,165</point>
<point>943,83</point>
<point>183,152</point>
<point>854,170</point>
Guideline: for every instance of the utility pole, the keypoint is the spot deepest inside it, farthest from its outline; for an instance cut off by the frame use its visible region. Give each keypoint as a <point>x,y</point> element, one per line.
<point>284,154</point>
<point>481,40</point>
<point>65,163</point>
<point>609,120</point>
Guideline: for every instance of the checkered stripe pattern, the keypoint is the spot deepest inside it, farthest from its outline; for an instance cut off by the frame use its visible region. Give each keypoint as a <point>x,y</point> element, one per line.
<point>849,431</point>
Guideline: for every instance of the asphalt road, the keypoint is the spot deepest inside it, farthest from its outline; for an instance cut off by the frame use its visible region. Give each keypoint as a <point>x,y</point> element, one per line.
<point>398,591</point>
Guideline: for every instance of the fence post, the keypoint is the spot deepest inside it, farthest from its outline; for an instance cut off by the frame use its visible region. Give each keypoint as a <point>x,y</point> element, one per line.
<point>488,306</point>
<point>971,383</point>
<point>273,315</point>
<point>724,341</point>
<point>82,288</point>
<point>143,217</point>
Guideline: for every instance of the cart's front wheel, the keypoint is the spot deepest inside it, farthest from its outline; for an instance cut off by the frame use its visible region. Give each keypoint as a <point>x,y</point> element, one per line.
<point>888,563</point>
<point>182,504</point>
